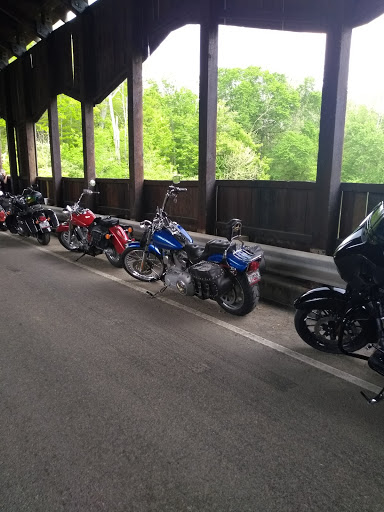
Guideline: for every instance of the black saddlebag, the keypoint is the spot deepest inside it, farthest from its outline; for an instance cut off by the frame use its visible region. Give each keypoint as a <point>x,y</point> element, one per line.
<point>98,237</point>
<point>210,280</point>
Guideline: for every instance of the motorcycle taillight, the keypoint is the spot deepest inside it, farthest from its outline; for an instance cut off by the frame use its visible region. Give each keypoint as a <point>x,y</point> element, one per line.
<point>253,266</point>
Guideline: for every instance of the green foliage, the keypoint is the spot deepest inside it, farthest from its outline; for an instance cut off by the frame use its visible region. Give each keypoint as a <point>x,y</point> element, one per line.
<point>363,160</point>
<point>171,129</point>
<point>264,102</point>
<point>294,157</point>
<point>266,129</point>
<point>4,146</point>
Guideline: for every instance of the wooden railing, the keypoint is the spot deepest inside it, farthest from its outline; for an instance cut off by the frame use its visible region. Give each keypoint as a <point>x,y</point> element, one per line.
<point>357,199</point>
<point>274,213</point>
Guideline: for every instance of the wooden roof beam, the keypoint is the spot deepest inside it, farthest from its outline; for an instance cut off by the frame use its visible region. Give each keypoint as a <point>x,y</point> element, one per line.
<point>76,6</point>
<point>40,27</point>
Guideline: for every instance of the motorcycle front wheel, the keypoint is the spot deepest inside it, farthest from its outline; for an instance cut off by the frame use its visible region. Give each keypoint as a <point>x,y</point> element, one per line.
<point>69,243</point>
<point>114,257</point>
<point>319,328</point>
<point>144,266</point>
<point>242,298</point>
<point>44,238</point>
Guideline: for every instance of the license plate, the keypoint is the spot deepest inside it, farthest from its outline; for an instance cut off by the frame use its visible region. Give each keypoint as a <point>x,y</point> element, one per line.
<point>44,224</point>
<point>254,277</point>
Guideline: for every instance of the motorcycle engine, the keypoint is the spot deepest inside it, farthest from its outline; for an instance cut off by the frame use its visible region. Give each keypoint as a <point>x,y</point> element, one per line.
<point>180,280</point>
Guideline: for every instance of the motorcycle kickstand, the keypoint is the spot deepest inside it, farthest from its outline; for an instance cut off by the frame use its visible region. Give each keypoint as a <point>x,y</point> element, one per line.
<point>153,295</point>
<point>79,258</point>
<point>375,399</point>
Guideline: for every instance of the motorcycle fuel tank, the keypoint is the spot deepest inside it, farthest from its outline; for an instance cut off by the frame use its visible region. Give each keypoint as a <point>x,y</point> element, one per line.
<point>83,219</point>
<point>165,240</point>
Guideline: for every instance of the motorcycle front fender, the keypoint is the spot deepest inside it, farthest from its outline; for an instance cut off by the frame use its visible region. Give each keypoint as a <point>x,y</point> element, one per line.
<point>153,249</point>
<point>325,296</point>
<point>62,227</point>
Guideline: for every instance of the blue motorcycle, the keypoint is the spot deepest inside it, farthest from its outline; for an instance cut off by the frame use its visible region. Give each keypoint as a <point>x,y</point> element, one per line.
<point>226,271</point>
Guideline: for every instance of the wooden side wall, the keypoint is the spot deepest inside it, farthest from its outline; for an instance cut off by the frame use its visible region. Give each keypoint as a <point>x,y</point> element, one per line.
<point>274,213</point>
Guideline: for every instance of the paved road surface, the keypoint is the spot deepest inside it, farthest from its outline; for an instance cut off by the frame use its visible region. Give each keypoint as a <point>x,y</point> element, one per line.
<point>113,401</point>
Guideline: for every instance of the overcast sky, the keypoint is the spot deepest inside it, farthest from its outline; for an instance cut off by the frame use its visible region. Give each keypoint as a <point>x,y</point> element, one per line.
<point>297,55</point>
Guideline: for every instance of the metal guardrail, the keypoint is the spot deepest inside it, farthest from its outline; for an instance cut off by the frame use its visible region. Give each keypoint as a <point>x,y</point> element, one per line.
<point>289,263</point>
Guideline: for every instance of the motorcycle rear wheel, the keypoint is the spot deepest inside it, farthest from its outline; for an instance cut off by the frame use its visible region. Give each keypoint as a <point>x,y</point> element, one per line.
<point>132,261</point>
<point>44,238</point>
<point>114,257</point>
<point>319,328</point>
<point>242,298</point>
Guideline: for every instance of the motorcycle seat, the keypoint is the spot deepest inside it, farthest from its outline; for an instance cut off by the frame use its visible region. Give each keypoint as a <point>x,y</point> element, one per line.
<point>197,253</point>
<point>108,222</point>
<point>194,252</point>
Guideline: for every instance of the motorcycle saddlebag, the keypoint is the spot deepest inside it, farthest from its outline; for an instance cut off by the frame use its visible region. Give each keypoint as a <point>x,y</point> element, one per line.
<point>210,279</point>
<point>98,237</point>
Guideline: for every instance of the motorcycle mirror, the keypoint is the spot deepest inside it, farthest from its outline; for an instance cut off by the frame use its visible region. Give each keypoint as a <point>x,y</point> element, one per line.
<point>92,183</point>
<point>176,179</point>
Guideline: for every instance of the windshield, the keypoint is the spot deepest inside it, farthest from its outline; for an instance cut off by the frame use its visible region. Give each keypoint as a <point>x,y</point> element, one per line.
<point>375,225</point>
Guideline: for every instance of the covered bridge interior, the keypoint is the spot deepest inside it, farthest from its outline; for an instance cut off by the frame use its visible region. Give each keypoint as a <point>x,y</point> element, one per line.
<point>108,41</point>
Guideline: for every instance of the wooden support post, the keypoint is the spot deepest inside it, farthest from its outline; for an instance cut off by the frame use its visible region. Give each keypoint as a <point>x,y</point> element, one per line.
<point>54,141</point>
<point>207,118</point>
<point>26,152</point>
<point>135,132</point>
<point>11,141</point>
<point>88,142</point>
<point>331,138</point>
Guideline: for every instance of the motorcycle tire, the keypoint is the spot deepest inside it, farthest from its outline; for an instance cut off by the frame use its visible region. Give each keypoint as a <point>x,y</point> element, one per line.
<point>44,238</point>
<point>241,298</point>
<point>132,260</point>
<point>319,329</point>
<point>114,257</point>
<point>63,237</point>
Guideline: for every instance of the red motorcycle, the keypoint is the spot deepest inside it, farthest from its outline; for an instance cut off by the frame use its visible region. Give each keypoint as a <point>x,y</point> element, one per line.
<point>86,233</point>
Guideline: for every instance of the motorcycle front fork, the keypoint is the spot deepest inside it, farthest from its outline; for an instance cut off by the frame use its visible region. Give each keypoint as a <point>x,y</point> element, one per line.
<point>377,309</point>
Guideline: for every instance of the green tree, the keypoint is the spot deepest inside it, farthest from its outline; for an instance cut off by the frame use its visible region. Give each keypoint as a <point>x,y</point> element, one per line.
<point>294,158</point>
<point>237,156</point>
<point>363,156</point>
<point>264,102</point>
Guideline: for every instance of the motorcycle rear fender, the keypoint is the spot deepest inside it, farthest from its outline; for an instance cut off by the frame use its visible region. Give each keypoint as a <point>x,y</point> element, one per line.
<point>151,248</point>
<point>324,296</point>
<point>239,259</point>
<point>119,239</point>
<point>62,227</point>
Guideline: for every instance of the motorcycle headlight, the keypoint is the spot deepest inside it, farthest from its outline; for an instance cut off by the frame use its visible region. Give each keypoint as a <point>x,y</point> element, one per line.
<point>145,224</point>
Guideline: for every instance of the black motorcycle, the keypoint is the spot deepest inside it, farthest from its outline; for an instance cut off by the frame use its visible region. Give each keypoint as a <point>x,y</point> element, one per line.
<point>29,217</point>
<point>338,321</point>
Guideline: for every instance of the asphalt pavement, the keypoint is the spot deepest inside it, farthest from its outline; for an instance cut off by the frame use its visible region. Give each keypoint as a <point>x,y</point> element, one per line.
<point>114,401</point>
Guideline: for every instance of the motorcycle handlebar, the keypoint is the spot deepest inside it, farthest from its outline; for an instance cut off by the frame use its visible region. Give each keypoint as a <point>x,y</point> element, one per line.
<point>177,189</point>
